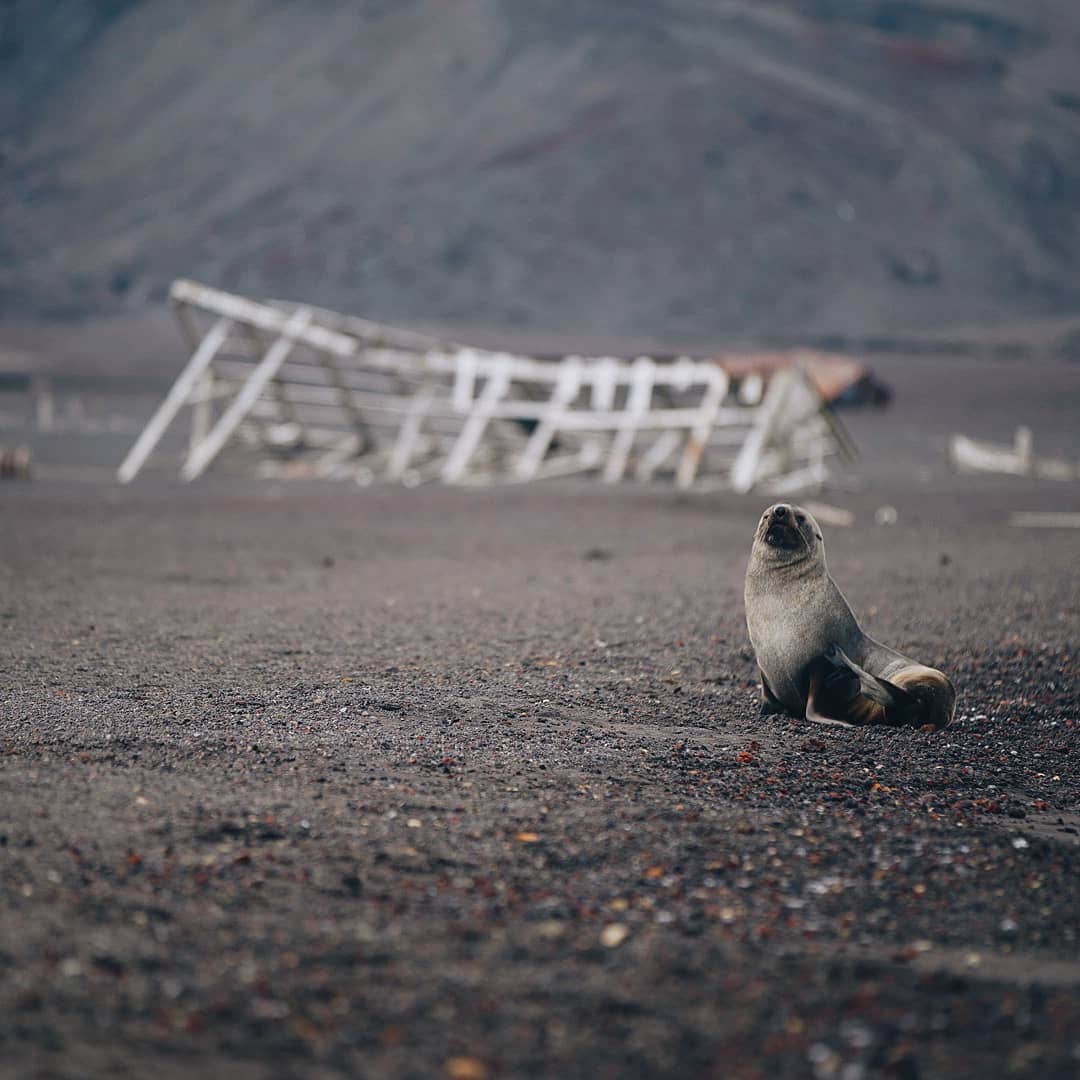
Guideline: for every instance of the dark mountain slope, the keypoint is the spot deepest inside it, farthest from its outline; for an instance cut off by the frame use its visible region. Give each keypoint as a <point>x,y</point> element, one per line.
<point>679,170</point>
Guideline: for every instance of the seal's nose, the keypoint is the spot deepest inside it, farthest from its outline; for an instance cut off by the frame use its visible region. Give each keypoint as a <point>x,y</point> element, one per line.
<point>780,512</point>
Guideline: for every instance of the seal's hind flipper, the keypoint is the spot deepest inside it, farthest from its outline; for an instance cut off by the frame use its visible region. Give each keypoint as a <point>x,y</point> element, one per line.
<point>830,702</point>
<point>872,686</point>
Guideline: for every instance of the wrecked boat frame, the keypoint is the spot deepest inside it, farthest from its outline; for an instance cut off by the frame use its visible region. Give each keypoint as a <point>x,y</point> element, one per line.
<point>326,395</point>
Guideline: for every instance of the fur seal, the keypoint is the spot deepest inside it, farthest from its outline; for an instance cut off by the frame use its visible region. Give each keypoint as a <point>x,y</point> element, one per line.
<point>813,658</point>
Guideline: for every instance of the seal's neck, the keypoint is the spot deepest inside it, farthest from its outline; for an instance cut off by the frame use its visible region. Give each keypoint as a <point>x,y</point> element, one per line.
<point>797,570</point>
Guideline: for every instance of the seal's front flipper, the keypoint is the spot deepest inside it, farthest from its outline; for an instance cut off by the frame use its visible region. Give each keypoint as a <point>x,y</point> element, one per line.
<point>770,705</point>
<point>872,686</point>
<point>823,704</point>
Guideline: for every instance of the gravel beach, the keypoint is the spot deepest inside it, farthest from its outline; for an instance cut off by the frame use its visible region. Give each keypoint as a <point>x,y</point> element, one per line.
<point>314,781</point>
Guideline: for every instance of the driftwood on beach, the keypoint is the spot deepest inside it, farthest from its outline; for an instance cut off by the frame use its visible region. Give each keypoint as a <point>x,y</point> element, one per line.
<point>1018,459</point>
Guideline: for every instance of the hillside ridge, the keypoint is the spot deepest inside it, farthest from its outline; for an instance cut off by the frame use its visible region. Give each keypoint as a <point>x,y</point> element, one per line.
<point>676,171</point>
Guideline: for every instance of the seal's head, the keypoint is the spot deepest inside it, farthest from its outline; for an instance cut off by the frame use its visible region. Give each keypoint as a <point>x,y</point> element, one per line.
<point>788,534</point>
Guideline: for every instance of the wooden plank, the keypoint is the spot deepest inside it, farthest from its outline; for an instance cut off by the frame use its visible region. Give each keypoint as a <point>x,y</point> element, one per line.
<point>661,451</point>
<point>179,393</point>
<point>551,416</point>
<point>496,386</point>
<point>975,455</point>
<point>698,437</point>
<point>202,409</point>
<point>637,407</point>
<point>1039,519</point>
<point>240,309</point>
<point>603,375</point>
<point>238,408</point>
<point>748,464</point>
<point>461,396</point>
<point>409,434</point>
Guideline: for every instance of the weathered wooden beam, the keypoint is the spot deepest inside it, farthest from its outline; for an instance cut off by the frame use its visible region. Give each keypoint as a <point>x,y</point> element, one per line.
<point>205,452</point>
<point>174,401</point>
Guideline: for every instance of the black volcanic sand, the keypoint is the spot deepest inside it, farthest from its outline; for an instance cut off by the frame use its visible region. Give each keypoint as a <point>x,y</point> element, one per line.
<point>316,781</point>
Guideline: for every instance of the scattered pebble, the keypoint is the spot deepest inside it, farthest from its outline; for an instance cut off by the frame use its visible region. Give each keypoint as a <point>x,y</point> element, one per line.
<point>613,935</point>
<point>466,1068</point>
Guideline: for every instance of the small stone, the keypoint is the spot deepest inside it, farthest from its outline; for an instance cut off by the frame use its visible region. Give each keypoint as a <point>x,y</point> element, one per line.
<point>614,935</point>
<point>466,1068</point>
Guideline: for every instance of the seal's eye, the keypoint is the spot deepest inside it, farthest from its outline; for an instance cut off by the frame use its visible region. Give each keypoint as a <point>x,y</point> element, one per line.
<point>802,519</point>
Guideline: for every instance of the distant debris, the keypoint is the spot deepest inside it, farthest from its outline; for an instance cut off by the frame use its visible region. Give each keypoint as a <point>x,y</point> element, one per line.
<point>1038,519</point>
<point>840,380</point>
<point>974,455</point>
<point>15,463</point>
